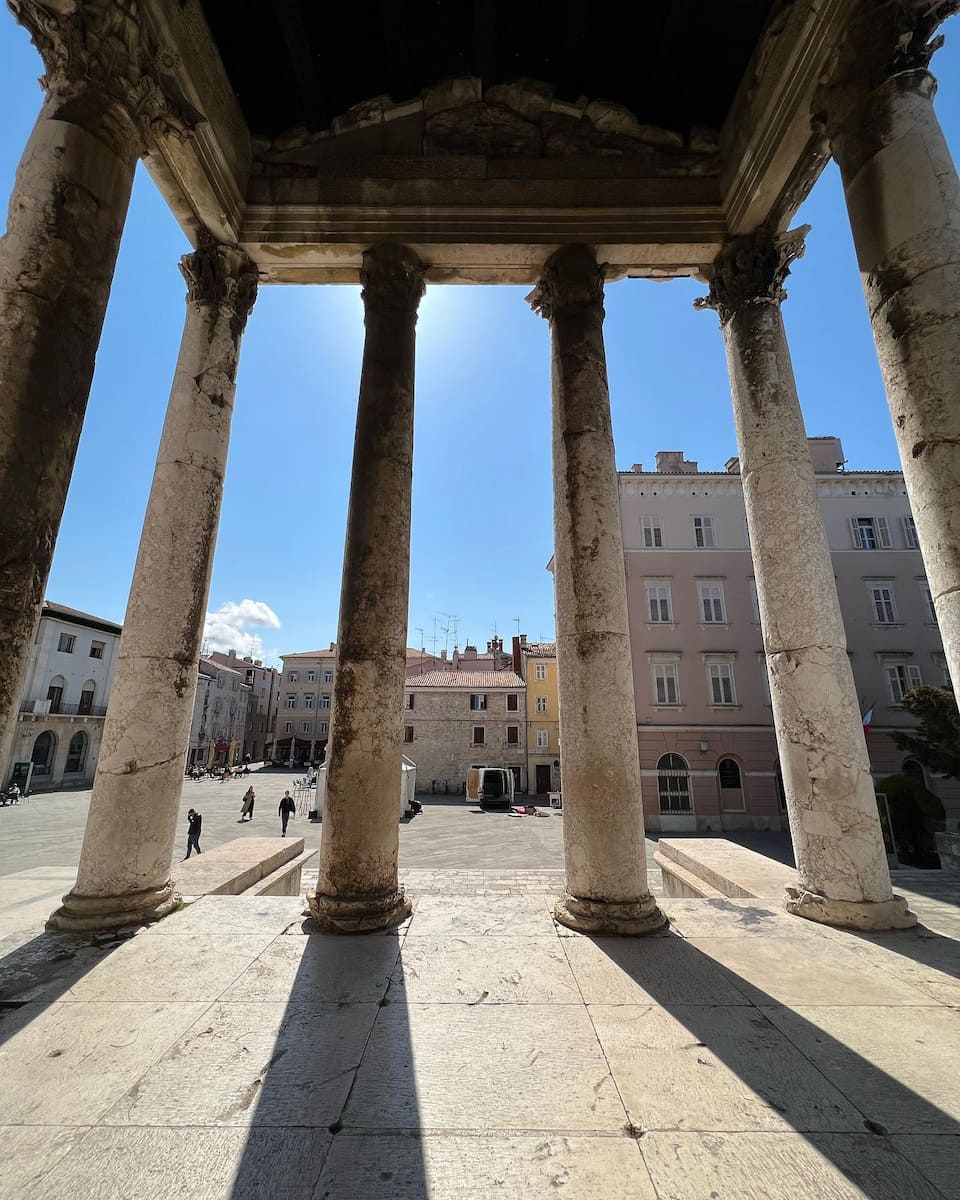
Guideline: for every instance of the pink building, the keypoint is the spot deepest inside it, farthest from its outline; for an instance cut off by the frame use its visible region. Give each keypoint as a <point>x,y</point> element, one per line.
<point>707,747</point>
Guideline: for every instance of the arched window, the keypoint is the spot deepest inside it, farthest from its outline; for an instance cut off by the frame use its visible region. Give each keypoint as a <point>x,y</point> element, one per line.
<point>55,693</point>
<point>731,784</point>
<point>77,754</point>
<point>43,750</point>
<point>913,769</point>
<point>86,697</point>
<point>673,784</point>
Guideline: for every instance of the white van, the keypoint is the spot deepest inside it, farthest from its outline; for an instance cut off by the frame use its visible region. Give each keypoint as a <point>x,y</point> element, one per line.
<point>490,785</point>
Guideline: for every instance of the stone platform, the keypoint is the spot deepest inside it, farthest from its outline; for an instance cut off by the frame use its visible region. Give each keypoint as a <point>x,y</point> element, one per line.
<point>482,1052</point>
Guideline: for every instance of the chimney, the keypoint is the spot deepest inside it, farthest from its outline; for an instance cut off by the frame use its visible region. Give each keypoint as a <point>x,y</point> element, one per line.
<point>672,462</point>
<point>732,465</point>
<point>637,468</point>
<point>517,657</point>
<point>232,657</point>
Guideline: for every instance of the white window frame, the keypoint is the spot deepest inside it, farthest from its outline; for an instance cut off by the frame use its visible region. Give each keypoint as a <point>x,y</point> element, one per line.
<point>659,601</point>
<point>664,672</point>
<point>866,529</point>
<point>65,643</point>
<point>324,727</point>
<point>288,727</point>
<point>293,677</point>
<point>328,677</point>
<point>478,702</point>
<point>324,701</point>
<point>901,677</point>
<point>709,605</point>
<point>720,671</point>
<point>704,532</point>
<point>883,606</point>
<point>306,727</point>
<point>543,739</point>
<point>311,677</point>
<point>651,532</point>
<point>308,700</point>
<point>909,527</point>
<point>540,671</point>
<point>930,613</point>
<point>97,649</point>
<point>541,705</point>
<point>408,702</point>
<point>754,599</point>
<point>291,700</point>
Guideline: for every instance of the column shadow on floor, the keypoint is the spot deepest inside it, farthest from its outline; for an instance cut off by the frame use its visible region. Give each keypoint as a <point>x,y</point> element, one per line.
<point>770,1046</point>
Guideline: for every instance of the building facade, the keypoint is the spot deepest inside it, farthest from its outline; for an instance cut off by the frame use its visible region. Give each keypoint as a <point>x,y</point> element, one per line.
<point>65,697</point>
<point>454,720</point>
<point>305,705</point>
<point>536,664</point>
<point>261,712</point>
<point>707,746</point>
<point>219,715</point>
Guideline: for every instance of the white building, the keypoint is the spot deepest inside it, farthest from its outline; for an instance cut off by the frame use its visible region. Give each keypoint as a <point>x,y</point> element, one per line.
<point>65,696</point>
<point>219,715</point>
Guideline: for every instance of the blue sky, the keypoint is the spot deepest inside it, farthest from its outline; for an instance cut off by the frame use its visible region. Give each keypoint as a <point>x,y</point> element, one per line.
<point>482,518</point>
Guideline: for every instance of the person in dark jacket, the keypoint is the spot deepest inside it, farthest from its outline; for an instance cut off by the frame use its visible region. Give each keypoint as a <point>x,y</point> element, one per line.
<point>286,810</point>
<point>194,825</point>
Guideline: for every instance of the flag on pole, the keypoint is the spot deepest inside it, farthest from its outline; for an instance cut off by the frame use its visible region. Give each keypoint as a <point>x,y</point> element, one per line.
<point>867,719</point>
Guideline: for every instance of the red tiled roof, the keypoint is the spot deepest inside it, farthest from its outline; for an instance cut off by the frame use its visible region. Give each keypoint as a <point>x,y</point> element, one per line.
<point>483,681</point>
<point>540,649</point>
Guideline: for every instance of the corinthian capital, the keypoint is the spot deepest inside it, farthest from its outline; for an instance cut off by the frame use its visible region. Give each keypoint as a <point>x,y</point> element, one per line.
<point>571,276</point>
<point>102,47</point>
<point>751,268</point>
<point>392,278</point>
<point>221,277</point>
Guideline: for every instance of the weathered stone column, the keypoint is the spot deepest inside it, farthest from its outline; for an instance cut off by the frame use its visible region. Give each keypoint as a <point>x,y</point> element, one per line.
<point>357,888</point>
<point>903,199</point>
<point>841,863</point>
<point>124,872</point>
<point>603,836</point>
<point>103,95</point>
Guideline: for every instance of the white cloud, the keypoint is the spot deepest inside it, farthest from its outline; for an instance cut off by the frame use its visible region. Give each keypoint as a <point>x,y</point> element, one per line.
<point>229,627</point>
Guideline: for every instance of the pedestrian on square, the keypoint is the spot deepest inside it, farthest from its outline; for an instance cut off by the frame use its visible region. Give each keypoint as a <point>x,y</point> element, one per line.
<point>286,810</point>
<point>194,825</point>
<point>246,809</point>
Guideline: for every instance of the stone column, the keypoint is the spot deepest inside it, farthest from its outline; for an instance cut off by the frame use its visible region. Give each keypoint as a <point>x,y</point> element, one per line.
<point>841,864</point>
<point>903,200</point>
<point>124,872</point>
<point>357,888</point>
<point>103,97</point>
<point>603,836</point>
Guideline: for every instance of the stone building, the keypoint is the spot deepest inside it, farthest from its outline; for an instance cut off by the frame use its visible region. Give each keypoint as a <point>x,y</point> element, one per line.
<point>64,698</point>
<point>708,749</point>
<point>305,704</point>
<point>536,664</point>
<point>285,164</point>
<point>454,720</point>
<point>219,716</point>
<point>261,711</point>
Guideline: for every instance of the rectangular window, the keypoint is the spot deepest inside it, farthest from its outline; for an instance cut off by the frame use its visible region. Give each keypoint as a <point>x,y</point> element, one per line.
<point>651,532</point>
<point>324,701</point>
<point>219,679</point>
<point>65,645</point>
<point>720,680</point>
<point>711,603</point>
<point>901,678</point>
<point>929,612</point>
<point>288,727</point>
<point>541,704</point>
<point>910,539</point>
<point>540,671</point>
<point>754,600</point>
<point>328,677</point>
<point>543,739</point>
<point>666,687</point>
<point>478,735</point>
<point>703,533</point>
<point>324,727</point>
<point>311,677</point>
<point>881,600</point>
<point>308,700</point>
<point>408,701</point>
<point>513,735</point>
<point>293,677</point>
<point>659,607</point>
<point>408,733</point>
<point>870,533</point>
<point>306,727</point>
<point>291,701</point>
<point>513,703</point>
<point>86,702</point>
<point>478,703</point>
<point>55,696</point>
<point>97,649</point>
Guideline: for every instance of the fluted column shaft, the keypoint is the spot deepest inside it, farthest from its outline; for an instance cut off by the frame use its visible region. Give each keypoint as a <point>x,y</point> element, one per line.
<point>903,201</point>
<point>357,888</point>
<point>603,833</point>
<point>103,99</point>
<point>843,877</point>
<point>124,872</point>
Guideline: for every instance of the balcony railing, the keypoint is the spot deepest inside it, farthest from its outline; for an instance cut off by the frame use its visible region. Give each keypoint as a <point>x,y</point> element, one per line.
<point>62,710</point>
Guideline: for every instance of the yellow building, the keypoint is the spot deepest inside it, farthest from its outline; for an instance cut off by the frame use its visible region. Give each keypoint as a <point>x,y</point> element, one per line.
<point>536,663</point>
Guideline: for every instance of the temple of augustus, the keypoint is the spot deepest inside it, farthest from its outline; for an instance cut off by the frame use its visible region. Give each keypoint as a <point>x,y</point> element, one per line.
<point>404,144</point>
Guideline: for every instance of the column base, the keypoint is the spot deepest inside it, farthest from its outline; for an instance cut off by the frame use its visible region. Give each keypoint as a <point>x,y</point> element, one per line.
<point>88,914</point>
<point>849,914</point>
<point>627,918</point>
<point>358,914</point>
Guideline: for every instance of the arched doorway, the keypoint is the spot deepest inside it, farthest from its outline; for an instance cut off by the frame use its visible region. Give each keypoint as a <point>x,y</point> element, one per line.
<point>730,784</point>
<point>673,786</point>
<point>43,751</point>
<point>76,754</point>
<point>55,693</point>
<point>87,694</point>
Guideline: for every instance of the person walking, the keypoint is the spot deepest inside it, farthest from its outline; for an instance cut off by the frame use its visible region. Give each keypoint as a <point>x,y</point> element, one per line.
<point>286,810</point>
<point>246,809</point>
<point>194,825</point>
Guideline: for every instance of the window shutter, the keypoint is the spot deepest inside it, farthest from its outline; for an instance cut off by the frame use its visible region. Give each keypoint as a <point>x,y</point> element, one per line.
<point>914,678</point>
<point>855,534</point>
<point>883,533</point>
